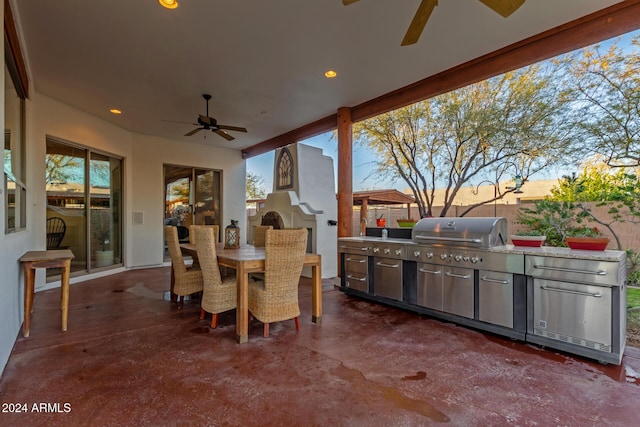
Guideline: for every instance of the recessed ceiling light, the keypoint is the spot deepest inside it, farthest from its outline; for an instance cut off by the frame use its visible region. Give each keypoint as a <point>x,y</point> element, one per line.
<point>169,4</point>
<point>330,74</point>
<point>115,111</point>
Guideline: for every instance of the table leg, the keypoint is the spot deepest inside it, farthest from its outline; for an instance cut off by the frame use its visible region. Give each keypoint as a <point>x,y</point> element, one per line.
<point>316,293</point>
<point>29,284</point>
<point>242,304</point>
<point>64,287</point>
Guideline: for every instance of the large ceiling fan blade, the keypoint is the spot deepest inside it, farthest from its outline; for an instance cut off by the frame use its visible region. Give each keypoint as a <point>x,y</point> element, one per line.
<point>223,134</point>
<point>419,21</point>
<point>207,120</point>
<point>504,7</point>
<point>193,131</point>
<point>348,2</point>
<point>234,128</point>
<point>184,123</point>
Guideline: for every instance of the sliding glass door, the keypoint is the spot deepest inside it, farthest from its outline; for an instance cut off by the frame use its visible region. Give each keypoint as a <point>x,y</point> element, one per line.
<point>192,196</point>
<point>84,205</point>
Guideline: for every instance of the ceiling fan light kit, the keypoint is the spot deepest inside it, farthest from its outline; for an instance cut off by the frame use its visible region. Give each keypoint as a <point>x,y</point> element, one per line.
<point>503,7</point>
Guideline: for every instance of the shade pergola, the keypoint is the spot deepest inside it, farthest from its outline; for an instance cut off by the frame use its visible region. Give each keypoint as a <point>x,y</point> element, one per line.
<point>381,197</point>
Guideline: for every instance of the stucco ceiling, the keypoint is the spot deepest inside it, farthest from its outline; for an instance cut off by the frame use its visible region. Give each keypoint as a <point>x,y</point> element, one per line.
<point>263,61</point>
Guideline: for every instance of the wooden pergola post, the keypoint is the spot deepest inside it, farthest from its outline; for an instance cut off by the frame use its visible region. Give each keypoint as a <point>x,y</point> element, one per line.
<point>345,173</point>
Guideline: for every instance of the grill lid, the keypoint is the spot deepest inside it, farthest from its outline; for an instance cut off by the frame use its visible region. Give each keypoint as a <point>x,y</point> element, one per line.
<point>465,232</point>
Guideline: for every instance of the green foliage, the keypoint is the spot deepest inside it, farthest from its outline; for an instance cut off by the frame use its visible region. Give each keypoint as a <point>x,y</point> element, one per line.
<point>507,125</point>
<point>255,188</point>
<point>62,168</point>
<point>605,89</point>
<point>529,233</point>
<point>554,219</point>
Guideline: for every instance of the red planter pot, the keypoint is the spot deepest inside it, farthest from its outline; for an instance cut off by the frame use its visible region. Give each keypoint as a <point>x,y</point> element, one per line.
<point>381,222</point>
<point>530,241</point>
<point>588,243</point>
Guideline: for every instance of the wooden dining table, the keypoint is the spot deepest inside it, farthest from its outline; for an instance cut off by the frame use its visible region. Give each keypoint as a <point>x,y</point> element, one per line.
<point>249,259</point>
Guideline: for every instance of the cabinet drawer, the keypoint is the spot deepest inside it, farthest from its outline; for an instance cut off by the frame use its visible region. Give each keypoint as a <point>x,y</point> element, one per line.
<point>356,263</point>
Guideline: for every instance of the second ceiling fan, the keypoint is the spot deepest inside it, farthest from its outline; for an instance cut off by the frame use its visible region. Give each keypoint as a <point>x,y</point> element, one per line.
<point>503,7</point>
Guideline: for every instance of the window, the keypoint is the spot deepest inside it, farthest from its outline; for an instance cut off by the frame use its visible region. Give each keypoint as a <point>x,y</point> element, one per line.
<point>14,157</point>
<point>285,170</point>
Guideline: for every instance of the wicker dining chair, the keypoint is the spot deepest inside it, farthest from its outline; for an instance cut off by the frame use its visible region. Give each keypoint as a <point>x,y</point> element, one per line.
<point>276,298</point>
<point>185,281</point>
<point>218,294</point>
<point>192,232</point>
<point>260,233</point>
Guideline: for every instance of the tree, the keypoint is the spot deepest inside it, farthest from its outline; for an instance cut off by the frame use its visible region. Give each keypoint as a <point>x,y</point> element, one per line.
<point>255,189</point>
<point>62,168</point>
<point>605,88</point>
<point>570,202</point>
<point>510,124</point>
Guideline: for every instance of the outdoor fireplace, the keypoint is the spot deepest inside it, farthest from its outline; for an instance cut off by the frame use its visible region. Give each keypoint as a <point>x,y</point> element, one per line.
<point>303,197</point>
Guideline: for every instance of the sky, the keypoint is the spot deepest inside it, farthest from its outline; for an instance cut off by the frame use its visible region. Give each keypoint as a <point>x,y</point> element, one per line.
<point>263,165</point>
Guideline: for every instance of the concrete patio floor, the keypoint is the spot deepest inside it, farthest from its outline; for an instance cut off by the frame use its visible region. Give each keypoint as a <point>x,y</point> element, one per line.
<point>131,358</point>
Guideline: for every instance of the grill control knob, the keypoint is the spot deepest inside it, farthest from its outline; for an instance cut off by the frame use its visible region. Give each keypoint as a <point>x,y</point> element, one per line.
<point>458,258</point>
<point>376,250</point>
<point>465,258</point>
<point>416,254</point>
<point>474,259</point>
<point>387,251</point>
<point>430,255</point>
<point>398,251</point>
<point>443,256</point>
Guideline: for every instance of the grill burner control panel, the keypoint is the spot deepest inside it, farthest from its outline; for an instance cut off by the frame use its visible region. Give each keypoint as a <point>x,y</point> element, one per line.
<point>474,258</point>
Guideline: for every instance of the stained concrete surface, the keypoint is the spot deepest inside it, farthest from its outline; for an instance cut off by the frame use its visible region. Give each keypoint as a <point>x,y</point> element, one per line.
<point>131,358</point>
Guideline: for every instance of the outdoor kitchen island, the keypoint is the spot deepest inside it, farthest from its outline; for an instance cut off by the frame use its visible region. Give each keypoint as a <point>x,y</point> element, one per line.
<point>569,300</point>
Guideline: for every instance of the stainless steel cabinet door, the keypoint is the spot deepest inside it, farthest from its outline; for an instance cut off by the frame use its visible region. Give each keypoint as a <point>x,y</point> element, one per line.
<point>495,298</point>
<point>457,291</point>
<point>572,312</point>
<point>387,278</point>
<point>430,286</point>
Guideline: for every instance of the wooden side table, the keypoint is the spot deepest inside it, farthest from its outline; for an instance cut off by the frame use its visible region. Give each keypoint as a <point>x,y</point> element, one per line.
<point>45,259</point>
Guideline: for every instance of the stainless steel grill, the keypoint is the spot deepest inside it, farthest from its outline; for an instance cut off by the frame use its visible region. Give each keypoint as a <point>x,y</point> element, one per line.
<point>453,255</point>
<point>461,232</point>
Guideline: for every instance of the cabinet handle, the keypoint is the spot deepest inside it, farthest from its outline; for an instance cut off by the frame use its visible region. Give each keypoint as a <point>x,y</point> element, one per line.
<point>459,276</point>
<point>422,270</point>
<point>567,291</point>
<point>488,279</point>
<point>360,261</point>
<point>366,248</point>
<point>382,264</point>
<point>570,270</point>
<point>360,279</point>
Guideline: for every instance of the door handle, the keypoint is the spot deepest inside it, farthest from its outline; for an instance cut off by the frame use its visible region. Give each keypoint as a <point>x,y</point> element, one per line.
<point>382,264</point>
<point>570,270</point>
<point>422,270</point>
<point>567,291</point>
<point>488,279</point>
<point>459,276</point>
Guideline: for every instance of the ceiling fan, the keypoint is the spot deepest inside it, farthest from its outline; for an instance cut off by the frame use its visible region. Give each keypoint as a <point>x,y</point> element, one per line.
<point>503,7</point>
<point>209,123</point>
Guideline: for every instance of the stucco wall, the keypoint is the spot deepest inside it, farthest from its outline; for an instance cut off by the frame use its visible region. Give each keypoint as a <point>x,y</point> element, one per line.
<point>143,159</point>
<point>149,155</point>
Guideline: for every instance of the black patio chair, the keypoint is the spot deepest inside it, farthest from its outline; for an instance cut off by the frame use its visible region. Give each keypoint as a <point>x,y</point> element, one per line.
<point>56,228</point>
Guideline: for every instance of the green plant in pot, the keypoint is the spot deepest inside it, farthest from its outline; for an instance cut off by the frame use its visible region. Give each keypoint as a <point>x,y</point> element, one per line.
<point>533,238</point>
<point>588,238</point>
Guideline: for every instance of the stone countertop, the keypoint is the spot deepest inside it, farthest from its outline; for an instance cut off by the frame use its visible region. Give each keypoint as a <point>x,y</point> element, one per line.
<point>548,251</point>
